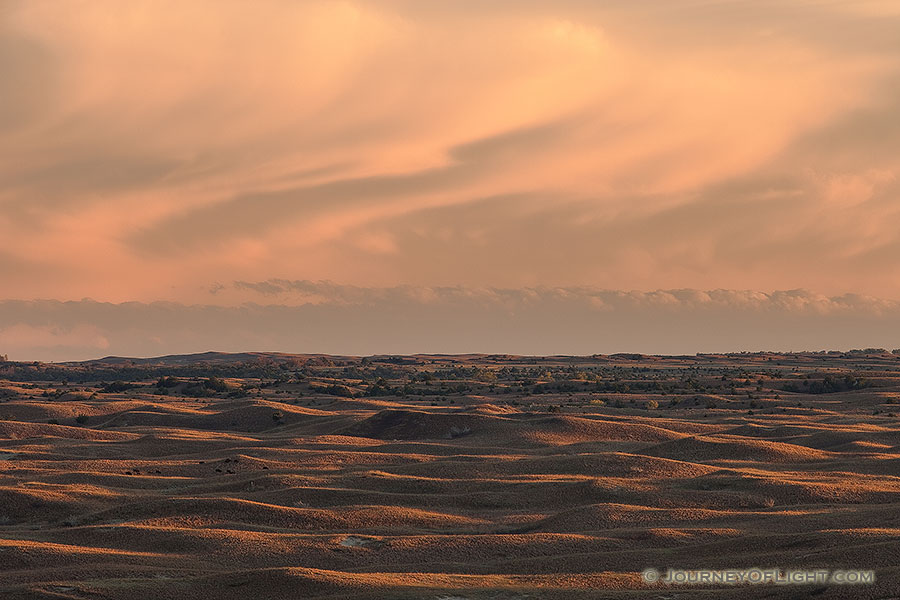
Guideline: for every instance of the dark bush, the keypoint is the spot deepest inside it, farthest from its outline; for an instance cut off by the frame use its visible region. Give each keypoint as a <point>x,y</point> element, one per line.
<point>118,386</point>
<point>215,384</point>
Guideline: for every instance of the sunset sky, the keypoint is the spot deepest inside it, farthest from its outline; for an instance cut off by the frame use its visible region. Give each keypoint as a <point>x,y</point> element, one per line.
<point>400,176</point>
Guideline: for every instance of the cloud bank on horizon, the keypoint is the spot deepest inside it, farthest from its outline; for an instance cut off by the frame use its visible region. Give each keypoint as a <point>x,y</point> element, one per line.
<point>323,317</point>
<point>159,150</point>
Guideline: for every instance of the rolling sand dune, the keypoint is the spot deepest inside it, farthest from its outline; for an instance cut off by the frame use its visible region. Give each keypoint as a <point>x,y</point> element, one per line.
<point>455,486</point>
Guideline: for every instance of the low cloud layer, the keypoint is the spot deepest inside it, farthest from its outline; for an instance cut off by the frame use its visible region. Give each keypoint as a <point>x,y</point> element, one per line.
<point>304,316</point>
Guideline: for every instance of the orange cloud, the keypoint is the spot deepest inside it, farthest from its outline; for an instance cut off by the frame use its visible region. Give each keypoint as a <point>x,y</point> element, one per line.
<point>149,149</point>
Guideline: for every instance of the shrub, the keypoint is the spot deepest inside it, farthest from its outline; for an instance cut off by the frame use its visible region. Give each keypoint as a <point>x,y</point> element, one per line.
<point>456,432</point>
<point>652,404</point>
<point>118,386</point>
<point>167,382</point>
<point>215,384</point>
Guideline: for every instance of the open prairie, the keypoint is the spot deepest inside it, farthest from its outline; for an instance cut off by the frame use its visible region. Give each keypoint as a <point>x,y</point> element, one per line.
<point>447,477</point>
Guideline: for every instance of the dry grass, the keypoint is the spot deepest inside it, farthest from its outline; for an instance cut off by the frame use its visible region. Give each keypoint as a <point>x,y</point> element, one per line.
<point>491,497</point>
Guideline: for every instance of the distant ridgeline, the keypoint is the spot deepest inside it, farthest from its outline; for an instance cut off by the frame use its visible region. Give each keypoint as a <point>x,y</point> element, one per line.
<point>215,374</point>
<point>139,370</point>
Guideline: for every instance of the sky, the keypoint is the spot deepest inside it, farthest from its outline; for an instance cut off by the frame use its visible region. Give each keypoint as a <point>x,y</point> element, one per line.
<point>401,176</point>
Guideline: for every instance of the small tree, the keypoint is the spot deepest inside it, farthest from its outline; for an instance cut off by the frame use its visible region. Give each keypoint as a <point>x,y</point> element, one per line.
<point>216,384</point>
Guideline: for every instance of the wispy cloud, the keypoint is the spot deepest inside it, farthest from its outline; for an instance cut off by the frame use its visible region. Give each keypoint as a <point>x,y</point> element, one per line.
<point>150,149</point>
